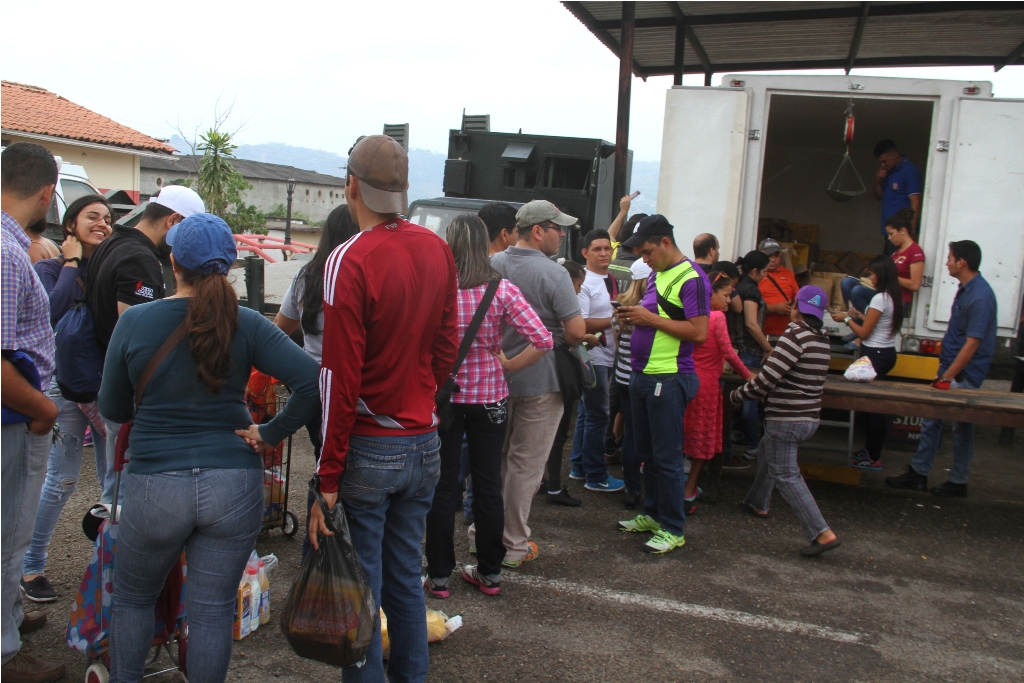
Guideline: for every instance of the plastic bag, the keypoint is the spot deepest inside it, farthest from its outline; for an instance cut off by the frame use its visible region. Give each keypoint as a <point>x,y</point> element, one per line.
<point>860,370</point>
<point>439,627</point>
<point>330,613</point>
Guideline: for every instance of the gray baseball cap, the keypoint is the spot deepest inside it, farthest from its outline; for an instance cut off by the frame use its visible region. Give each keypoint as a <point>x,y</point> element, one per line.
<point>541,211</point>
<point>769,246</point>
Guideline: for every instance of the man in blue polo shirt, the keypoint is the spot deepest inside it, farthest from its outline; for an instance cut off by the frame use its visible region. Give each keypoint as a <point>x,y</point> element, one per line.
<point>967,349</point>
<point>898,184</point>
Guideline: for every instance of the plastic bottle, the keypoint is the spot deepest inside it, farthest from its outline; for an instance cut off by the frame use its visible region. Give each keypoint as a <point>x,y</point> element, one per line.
<point>243,621</point>
<point>264,595</point>
<point>254,603</point>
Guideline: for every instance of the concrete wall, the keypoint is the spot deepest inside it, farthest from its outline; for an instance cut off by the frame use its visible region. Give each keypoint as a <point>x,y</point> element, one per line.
<point>108,170</point>
<point>315,201</point>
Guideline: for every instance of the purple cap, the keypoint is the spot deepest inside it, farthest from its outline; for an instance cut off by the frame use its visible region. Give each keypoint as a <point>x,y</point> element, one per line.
<point>811,300</point>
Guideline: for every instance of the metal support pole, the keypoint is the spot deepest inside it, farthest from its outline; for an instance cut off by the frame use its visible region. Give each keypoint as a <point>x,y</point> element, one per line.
<point>680,54</point>
<point>707,79</point>
<point>254,283</point>
<point>625,89</point>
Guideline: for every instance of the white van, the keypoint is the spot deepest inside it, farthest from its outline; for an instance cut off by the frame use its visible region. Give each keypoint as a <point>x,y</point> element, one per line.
<point>768,146</point>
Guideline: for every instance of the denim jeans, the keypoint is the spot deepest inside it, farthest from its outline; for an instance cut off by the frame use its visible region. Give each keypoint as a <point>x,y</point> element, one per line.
<point>24,467</point>
<point>630,457</point>
<point>107,482</point>
<point>62,469</point>
<point>591,423</point>
<point>659,407</point>
<point>855,294</point>
<point>214,515</point>
<point>484,427</point>
<point>387,489</point>
<point>749,410</point>
<point>963,445</point>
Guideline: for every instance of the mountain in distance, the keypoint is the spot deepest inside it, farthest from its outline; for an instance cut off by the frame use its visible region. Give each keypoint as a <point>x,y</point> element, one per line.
<point>426,168</point>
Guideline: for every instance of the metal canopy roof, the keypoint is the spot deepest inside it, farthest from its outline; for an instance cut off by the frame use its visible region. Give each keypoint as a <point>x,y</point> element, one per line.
<point>764,36</point>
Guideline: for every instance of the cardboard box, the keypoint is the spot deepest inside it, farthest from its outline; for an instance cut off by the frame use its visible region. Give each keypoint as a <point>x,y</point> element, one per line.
<point>807,233</point>
<point>799,253</point>
<point>852,264</point>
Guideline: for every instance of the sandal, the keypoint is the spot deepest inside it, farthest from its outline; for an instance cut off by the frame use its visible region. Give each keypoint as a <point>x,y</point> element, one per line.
<point>750,509</point>
<point>815,548</point>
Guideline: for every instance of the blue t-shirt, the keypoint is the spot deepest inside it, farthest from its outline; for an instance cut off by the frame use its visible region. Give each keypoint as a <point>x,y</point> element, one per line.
<point>974,315</point>
<point>902,182</point>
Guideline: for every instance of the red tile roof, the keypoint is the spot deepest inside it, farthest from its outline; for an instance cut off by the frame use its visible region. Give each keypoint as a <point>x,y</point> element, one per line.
<point>28,109</point>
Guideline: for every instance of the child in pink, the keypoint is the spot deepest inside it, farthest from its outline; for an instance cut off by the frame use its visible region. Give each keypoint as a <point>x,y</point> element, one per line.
<point>702,426</point>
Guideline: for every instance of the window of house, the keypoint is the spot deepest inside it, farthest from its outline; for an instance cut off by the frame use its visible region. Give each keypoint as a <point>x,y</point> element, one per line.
<point>566,174</point>
<point>307,192</point>
<point>508,177</point>
<point>530,178</point>
<point>159,181</point>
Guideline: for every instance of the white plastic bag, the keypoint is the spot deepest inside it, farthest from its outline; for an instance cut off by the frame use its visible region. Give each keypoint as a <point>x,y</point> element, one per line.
<point>860,370</point>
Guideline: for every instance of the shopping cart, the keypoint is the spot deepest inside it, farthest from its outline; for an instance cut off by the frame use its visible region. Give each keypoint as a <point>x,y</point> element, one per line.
<point>265,396</point>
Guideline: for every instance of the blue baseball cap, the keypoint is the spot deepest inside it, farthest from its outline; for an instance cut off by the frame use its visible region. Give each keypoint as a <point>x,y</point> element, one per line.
<point>203,243</point>
<point>811,300</point>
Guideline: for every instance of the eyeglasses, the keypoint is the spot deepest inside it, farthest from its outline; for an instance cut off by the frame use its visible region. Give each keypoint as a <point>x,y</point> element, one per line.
<point>552,226</point>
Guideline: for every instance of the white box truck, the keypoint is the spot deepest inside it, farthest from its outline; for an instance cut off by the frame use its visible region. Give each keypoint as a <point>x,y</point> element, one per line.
<point>768,146</point>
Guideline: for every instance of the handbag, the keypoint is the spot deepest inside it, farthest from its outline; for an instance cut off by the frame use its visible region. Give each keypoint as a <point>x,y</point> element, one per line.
<point>443,398</point>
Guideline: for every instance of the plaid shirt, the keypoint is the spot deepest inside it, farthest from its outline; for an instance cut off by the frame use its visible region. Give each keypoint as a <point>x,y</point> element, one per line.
<point>481,379</point>
<point>25,320</point>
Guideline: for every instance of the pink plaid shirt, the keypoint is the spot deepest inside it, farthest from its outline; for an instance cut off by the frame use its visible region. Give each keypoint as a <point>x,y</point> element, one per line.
<point>481,379</point>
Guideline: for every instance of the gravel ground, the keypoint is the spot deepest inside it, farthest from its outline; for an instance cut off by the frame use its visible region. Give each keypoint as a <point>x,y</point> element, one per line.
<point>922,589</point>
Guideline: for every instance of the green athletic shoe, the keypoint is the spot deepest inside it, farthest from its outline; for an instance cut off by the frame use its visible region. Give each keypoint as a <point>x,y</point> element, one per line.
<point>639,523</point>
<point>662,542</point>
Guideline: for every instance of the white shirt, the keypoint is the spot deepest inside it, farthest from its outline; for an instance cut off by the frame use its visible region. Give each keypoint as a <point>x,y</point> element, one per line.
<point>595,303</point>
<point>883,336</point>
<point>291,307</point>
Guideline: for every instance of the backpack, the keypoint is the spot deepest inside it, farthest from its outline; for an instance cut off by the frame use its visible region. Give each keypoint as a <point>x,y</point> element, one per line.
<point>79,358</point>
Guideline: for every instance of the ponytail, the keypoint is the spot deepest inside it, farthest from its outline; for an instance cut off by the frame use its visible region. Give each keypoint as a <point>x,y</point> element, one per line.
<point>754,260</point>
<point>212,322</point>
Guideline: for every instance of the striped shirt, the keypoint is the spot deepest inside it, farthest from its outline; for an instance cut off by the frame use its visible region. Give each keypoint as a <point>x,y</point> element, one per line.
<point>793,376</point>
<point>623,366</point>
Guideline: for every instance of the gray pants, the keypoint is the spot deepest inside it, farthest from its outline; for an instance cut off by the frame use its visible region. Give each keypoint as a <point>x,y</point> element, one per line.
<point>777,466</point>
<point>24,468</point>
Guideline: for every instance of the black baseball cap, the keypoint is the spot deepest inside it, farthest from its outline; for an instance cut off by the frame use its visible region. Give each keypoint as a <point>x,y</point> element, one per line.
<point>652,226</point>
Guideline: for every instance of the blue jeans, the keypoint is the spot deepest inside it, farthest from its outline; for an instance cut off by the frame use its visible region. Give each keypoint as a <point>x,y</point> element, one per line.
<point>749,409</point>
<point>659,407</point>
<point>630,458</point>
<point>855,294</point>
<point>24,466</point>
<point>62,476</point>
<point>963,446</point>
<point>387,488</point>
<point>215,516</point>
<point>107,481</point>
<point>591,424</point>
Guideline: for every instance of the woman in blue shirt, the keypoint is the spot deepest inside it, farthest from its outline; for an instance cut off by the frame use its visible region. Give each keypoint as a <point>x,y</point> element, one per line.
<point>193,481</point>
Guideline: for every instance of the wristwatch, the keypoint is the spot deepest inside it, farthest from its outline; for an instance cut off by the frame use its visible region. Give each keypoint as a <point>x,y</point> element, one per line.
<point>847,319</point>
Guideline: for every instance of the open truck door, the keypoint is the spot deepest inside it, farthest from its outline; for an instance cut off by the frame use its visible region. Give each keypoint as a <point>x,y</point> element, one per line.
<point>702,159</point>
<point>984,202</point>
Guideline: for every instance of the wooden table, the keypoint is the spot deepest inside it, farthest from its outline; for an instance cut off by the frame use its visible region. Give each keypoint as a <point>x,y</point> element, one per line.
<point>999,408</point>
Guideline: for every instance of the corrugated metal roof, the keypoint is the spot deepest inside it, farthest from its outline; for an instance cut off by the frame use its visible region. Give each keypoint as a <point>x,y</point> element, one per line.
<point>187,165</point>
<point>759,36</point>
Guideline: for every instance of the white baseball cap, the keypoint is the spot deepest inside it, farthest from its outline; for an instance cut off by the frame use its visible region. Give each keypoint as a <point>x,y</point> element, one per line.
<point>181,200</point>
<point>640,270</point>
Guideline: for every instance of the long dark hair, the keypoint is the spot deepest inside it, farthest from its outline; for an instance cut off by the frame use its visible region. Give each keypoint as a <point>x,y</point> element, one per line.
<point>884,269</point>
<point>754,260</point>
<point>78,206</point>
<point>212,321</point>
<point>338,229</point>
<point>469,242</point>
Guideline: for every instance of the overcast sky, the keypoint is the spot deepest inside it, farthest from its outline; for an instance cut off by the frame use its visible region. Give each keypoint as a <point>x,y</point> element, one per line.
<point>318,74</point>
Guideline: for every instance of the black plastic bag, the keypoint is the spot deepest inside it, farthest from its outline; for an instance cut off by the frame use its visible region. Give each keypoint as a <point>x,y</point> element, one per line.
<point>330,614</point>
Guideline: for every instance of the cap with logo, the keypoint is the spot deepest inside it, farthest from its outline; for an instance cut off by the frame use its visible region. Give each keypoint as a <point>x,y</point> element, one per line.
<point>203,243</point>
<point>640,270</point>
<point>652,226</point>
<point>382,167</point>
<point>811,300</point>
<point>179,199</point>
<point>769,246</point>
<point>541,211</point>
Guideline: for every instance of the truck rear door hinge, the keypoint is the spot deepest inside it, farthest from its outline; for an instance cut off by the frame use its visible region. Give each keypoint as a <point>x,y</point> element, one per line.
<point>942,146</point>
<point>753,134</point>
<point>926,281</point>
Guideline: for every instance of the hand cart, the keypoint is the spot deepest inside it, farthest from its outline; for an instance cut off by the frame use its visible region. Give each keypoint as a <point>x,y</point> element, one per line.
<point>265,396</point>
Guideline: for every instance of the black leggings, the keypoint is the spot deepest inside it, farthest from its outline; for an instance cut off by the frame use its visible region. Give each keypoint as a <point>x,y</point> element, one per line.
<point>484,427</point>
<point>876,425</point>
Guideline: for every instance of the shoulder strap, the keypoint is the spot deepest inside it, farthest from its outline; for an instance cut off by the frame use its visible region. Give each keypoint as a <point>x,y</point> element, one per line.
<point>673,311</point>
<point>777,286</point>
<point>158,358</point>
<point>475,323</point>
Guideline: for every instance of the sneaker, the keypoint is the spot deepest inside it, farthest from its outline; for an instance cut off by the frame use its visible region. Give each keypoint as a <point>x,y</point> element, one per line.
<point>750,454</point>
<point>33,621</point>
<point>609,485</point>
<point>662,542</point>
<point>862,460</point>
<point>639,523</point>
<point>696,496</point>
<point>908,480</point>
<point>563,498</point>
<point>577,474</point>
<point>472,550</point>
<point>630,500</point>
<point>488,585</point>
<point>737,437</point>
<point>436,588</point>
<point>687,463</point>
<point>25,667</point>
<point>531,554</point>
<point>950,490</point>
<point>735,463</point>
<point>38,589</point>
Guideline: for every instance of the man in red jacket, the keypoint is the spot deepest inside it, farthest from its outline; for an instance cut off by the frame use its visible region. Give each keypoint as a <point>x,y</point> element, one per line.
<point>390,340</point>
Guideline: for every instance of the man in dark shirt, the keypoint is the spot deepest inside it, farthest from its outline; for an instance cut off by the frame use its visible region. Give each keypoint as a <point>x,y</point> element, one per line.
<point>705,250</point>
<point>898,185</point>
<point>125,271</point>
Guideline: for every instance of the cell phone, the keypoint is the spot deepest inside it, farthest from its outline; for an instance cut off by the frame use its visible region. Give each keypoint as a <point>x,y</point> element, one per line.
<point>634,195</point>
<point>616,304</point>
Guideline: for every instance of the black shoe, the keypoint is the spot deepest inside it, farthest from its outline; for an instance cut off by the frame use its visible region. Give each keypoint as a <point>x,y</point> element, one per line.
<point>33,621</point>
<point>630,500</point>
<point>563,498</point>
<point>38,589</point>
<point>950,490</point>
<point>735,463</point>
<point>910,480</point>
